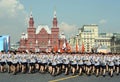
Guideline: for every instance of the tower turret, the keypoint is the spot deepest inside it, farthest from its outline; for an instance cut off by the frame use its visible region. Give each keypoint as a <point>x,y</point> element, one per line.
<point>55,20</point>
<point>31,21</point>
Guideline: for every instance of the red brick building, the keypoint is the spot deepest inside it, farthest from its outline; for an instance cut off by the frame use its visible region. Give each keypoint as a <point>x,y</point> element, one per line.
<point>42,38</point>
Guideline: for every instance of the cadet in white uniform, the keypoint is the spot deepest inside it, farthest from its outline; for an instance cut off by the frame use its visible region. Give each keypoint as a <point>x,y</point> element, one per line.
<point>14,63</point>
<point>117,63</point>
<point>23,61</point>
<point>66,65</point>
<point>2,61</point>
<point>80,65</point>
<point>74,65</point>
<point>110,65</point>
<point>97,65</point>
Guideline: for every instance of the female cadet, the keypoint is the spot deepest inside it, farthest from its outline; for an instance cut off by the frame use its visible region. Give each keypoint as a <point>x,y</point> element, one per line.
<point>93,64</point>
<point>84,62</point>
<point>88,63</point>
<point>9,63</point>
<point>117,63</point>
<point>2,62</point>
<point>14,63</point>
<point>43,64</point>
<point>23,62</point>
<point>74,65</point>
<point>97,64</point>
<point>66,65</point>
<point>50,57</point>
<point>59,64</point>
<point>39,61</point>
<point>103,64</point>
<point>32,63</point>
<point>80,64</point>
<point>18,54</point>
<point>54,63</point>
<point>111,64</point>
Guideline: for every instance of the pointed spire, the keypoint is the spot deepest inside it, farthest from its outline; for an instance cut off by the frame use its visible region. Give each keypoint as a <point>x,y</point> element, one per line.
<point>55,14</point>
<point>55,20</point>
<point>31,15</point>
<point>31,21</point>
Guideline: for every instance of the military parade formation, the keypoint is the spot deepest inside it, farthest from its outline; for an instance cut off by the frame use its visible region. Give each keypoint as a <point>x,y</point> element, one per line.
<point>60,63</point>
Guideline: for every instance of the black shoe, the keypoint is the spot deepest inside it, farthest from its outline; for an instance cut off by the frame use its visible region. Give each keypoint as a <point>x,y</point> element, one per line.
<point>96,75</point>
<point>79,74</point>
<point>111,76</point>
<point>117,74</point>
<point>103,75</point>
<point>73,74</point>
<point>14,73</point>
<point>88,74</point>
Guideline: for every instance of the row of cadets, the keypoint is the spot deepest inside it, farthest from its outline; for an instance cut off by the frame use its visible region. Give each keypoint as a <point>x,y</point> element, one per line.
<point>57,62</point>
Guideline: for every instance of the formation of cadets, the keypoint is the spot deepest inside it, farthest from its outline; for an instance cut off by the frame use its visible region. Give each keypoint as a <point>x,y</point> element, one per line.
<point>55,63</point>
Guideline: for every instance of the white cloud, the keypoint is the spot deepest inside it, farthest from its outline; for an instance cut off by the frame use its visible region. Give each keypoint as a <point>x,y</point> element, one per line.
<point>103,21</point>
<point>12,17</point>
<point>68,29</point>
<point>10,7</point>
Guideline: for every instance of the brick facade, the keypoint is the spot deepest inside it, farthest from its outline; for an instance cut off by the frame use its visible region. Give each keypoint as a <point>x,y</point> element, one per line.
<point>41,40</point>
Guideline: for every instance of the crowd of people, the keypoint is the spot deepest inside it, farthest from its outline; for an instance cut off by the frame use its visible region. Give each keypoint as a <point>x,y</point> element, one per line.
<point>60,63</point>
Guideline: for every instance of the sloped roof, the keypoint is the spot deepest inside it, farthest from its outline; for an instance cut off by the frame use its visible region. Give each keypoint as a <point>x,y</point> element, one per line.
<point>43,26</point>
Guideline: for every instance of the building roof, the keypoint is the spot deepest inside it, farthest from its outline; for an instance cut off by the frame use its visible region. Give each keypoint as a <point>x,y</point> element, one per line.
<point>43,26</point>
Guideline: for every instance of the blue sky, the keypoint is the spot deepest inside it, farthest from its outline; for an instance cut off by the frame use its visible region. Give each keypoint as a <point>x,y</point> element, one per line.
<point>105,13</point>
<point>71,14</point>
